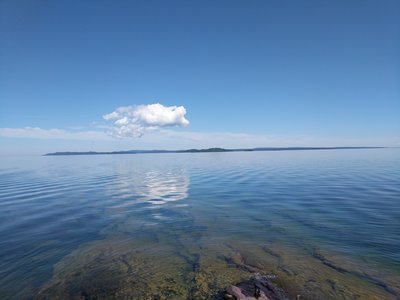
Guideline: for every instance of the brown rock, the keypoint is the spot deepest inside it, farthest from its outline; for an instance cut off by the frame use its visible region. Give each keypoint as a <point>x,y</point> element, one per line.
<point>258,287</point>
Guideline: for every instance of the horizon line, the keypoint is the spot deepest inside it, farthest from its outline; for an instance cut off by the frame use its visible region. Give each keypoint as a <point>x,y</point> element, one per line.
<point>213,149</point>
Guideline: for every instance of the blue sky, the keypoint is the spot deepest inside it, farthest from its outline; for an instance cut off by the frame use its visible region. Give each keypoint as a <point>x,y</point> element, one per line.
<point>248,73</point>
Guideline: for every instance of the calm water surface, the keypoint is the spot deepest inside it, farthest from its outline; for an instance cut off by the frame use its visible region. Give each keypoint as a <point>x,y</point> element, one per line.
<point>182,226</point>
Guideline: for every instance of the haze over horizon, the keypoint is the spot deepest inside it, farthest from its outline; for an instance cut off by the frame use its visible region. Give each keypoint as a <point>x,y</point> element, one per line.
<point>111,76</point>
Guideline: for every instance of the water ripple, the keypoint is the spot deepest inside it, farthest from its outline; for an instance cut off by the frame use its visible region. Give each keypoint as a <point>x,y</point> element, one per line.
<point>344,201</point>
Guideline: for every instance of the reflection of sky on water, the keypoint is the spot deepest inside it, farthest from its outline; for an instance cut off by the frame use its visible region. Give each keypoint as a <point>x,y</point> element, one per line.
<point>151,187</point>
<point>161,188</point>
<point>304,200</point>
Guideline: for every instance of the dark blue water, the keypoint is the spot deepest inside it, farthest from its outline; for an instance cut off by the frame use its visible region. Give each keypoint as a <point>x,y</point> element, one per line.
<point>342,203</point>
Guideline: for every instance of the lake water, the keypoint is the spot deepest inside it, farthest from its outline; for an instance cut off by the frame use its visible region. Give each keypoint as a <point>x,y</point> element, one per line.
<point>325,224</point>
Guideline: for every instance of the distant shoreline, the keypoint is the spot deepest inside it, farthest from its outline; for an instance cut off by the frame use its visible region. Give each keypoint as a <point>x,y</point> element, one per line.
<point>206,150</point>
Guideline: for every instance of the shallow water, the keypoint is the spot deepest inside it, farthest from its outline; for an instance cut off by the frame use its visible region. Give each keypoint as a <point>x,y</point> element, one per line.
<point>325,223</point>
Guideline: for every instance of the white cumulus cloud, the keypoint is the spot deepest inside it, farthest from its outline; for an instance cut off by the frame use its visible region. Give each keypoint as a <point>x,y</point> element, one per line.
<point>135,120</point>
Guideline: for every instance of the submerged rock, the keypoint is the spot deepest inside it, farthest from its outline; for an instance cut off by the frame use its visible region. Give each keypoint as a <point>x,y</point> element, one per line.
<point>257,287</point>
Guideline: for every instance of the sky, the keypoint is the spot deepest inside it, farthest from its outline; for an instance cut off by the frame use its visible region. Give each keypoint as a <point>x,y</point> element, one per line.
<point>117,75</point>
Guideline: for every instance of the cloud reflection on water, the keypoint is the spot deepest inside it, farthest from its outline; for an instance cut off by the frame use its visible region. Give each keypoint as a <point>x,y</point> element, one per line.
<point>152,187</point>
<point>161,188</point>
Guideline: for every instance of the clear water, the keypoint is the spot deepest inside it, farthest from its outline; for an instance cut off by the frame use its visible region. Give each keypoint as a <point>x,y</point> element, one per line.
<point>183,226</point>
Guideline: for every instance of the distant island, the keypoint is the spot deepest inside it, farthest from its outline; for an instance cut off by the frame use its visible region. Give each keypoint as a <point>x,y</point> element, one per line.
<point>206,150</point>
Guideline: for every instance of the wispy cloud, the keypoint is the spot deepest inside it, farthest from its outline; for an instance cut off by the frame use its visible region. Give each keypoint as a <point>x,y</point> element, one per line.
<point>40,133</point>
<point>134,121</point>
<point>171,139</point>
